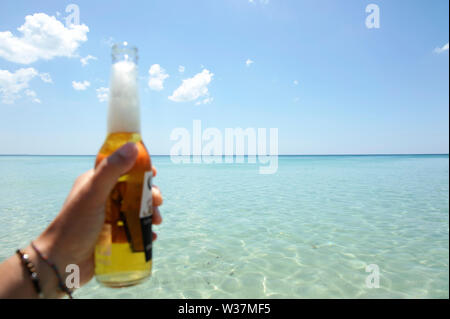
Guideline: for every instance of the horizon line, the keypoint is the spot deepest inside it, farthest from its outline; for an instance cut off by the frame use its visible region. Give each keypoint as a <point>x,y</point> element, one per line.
<point>349,154</point>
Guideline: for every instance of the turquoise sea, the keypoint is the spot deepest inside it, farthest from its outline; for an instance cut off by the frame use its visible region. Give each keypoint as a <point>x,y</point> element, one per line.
<point>307,231</point>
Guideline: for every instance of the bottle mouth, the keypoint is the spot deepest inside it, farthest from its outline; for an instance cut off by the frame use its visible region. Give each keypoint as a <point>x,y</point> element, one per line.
<point>123,51</point>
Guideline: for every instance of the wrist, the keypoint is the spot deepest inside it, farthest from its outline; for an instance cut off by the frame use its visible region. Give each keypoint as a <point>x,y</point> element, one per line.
<point>50,283</point>
<point>47,279</point>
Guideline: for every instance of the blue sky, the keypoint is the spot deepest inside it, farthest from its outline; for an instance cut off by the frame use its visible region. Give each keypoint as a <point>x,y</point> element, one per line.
<point>358,90</point>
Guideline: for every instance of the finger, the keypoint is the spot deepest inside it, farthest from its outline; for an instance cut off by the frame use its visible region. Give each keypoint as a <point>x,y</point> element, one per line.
<point>79,184</point>
<point>154,236</point>
<point>156,218</point>
<point>81,180</point>
<point>157,199</point>
<point>111,168</point>
<point>154,171</point>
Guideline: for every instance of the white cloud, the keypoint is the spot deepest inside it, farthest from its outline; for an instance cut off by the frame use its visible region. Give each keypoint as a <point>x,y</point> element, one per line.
<point>85,61</point>
<point>295,82</point>
<point>12,84</point>
<point>181,69</point>
<point>193,88</point>
<point>248,62</point>
<point>205,101</point>
<point>441,50</point>
<point>108,42</point>
<point>43,37</point>
<point>157,77</point>
<point>263,2</point>
<point>102,94</point>
<point>32,95</point>
<point>80,86</point>
<point>46,77</point>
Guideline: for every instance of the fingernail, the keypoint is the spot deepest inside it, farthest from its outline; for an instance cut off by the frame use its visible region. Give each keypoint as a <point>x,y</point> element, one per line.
<point>128,150</point>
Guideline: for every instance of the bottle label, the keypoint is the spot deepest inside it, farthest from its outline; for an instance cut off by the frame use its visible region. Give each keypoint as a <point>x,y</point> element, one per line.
<point>146,213</point>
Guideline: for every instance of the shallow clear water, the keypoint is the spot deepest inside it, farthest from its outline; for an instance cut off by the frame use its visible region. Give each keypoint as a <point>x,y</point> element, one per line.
<point>308,231</point>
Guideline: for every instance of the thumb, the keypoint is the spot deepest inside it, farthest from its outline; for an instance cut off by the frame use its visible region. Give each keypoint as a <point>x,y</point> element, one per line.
<point>111,168</point>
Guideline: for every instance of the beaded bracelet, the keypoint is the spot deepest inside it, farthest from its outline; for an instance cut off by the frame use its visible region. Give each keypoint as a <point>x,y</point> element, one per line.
<point>32,271</point>
<point>55,270</point>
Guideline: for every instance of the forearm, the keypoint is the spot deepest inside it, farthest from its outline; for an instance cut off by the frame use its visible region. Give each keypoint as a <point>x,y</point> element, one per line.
<point>15,281</point>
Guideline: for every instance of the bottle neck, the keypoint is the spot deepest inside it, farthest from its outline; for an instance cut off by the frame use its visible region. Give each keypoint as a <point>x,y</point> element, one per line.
<point>124,108</point>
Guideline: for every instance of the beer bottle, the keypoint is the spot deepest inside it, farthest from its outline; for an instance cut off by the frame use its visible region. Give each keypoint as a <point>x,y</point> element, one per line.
<point>123,253</point>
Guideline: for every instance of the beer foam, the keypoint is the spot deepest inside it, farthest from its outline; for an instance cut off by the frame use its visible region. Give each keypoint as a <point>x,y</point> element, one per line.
<point>123,115</point>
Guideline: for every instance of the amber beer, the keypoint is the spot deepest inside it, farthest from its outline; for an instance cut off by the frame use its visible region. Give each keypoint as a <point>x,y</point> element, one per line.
<point>123,254</point>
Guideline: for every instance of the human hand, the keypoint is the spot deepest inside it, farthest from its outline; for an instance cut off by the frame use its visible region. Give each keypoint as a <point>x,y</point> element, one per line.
<point>71,237</point>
